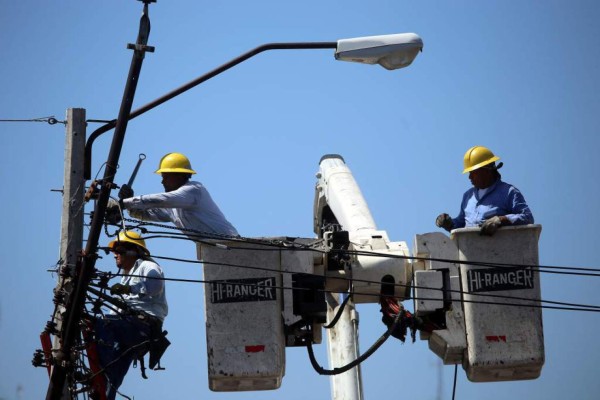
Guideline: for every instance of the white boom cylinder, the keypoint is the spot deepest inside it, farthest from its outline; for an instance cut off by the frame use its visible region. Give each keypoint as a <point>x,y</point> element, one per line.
<point>344,197</point>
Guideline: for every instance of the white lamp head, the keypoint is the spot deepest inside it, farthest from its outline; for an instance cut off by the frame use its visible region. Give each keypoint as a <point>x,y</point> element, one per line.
<point>389,51</point>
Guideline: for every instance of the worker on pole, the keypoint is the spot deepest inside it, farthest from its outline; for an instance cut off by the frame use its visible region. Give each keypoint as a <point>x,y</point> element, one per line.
<point>129,333</point>
<point>490,203</point>
<point>185,203</point>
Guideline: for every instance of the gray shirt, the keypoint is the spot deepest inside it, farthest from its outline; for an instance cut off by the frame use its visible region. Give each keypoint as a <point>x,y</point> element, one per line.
<point>147,288</point>
<point>189,207</point>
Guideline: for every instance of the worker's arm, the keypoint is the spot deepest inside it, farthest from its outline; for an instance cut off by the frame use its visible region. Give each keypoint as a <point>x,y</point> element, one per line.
<point>184,197</point>
<point>520,214</point>
<point>156,214</point>
<point>459,221</point>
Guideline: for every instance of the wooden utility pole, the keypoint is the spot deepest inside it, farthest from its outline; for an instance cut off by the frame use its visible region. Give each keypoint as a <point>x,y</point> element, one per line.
<point>71,231</point>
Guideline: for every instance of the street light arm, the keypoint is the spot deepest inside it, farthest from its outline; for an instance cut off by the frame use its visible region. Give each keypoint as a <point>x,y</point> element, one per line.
<point>390,51</point>
<point>194,83</point>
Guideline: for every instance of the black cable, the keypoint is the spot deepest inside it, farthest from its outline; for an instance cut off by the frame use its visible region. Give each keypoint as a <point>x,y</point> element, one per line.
<point>466,262</point>
<point>50,120</point>
<point>339,370</point>
<point>575,307</point>
<point>277,245</point>
<point>361,252</point>
<point>209,235</point>
<point>297,246</point>
<point>454,385</point>
<point>567,306</point>
<point>338,314</point>
<point>378,283</point>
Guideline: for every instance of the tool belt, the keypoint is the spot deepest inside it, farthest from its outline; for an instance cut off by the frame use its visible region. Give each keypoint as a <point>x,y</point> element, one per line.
<point>157,346</point>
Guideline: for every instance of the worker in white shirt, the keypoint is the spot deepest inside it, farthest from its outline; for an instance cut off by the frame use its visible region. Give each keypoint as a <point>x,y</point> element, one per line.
<point>185,203</point>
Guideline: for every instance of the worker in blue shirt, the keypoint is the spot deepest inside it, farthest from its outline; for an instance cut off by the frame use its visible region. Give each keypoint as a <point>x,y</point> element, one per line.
<point>490,203</point>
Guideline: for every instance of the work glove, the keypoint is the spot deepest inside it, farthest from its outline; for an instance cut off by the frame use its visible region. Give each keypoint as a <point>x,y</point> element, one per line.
<point>113,212</point>
<point>125,192</point>
<point>119,288</point>
<point>444,221</point>
<point>490,226</point>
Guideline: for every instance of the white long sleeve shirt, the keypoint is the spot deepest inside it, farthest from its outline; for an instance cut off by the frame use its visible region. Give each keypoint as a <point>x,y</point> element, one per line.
<point>189,207</point>
<point>147,288</point>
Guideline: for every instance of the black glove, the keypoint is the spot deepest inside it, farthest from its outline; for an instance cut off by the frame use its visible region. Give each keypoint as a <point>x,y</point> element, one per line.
<point>125,192</point>
<point>119,288</point>
<point>113,212</point>
<point>444,221</point>
<point>490,226</point>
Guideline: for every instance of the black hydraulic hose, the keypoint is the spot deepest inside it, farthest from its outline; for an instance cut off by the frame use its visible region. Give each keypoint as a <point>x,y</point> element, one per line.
<point>337,316</point>
<point>340,370</point>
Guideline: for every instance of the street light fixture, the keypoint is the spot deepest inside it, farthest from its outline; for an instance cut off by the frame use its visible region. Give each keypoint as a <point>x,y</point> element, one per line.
<point>389,51</point>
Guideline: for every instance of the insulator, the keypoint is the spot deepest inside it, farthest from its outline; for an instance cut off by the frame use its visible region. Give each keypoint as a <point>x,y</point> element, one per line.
<point>97,307</point>
<point>59,298</point>
<point>51,328</point>
<point>103,282</point>
<point>39,359</point>
<point>80,376</point>
<point>65,272</point>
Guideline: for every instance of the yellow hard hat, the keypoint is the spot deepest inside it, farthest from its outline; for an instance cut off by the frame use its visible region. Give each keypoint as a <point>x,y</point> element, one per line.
<point>175,162</point>
<point>129,237</point>
<point>477,157</point>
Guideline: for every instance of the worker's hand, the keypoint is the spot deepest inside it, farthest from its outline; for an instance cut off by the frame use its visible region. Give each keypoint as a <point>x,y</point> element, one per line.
<point>125,192</point>
<point>490,226</point>
<point>444,221</point>
<point>113,212</point>
<point>119,288</point>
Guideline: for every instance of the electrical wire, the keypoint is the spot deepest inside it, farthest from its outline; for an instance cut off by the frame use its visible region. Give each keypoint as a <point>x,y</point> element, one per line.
<point>472,262</point>
<point>454,385</point>
<point>378,283</point>
<point>294,246</point>
<point>532,302</point>
<point>384,337</point>
<point>50,120</point>
<point>575,307</point>
<point>291,245</point>
<point>287,245</point>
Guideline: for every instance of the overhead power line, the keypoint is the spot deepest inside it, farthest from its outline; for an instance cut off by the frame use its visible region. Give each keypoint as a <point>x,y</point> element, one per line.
<point>50,120</point>
<point>350,280</point>
<point>556,306</point>
<point>290,245</point>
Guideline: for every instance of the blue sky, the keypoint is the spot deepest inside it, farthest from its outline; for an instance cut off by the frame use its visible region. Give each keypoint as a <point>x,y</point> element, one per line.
<point>519,77</point>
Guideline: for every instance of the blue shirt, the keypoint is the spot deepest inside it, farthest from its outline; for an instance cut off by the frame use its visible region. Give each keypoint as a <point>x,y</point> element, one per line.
<point>500,199</point>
